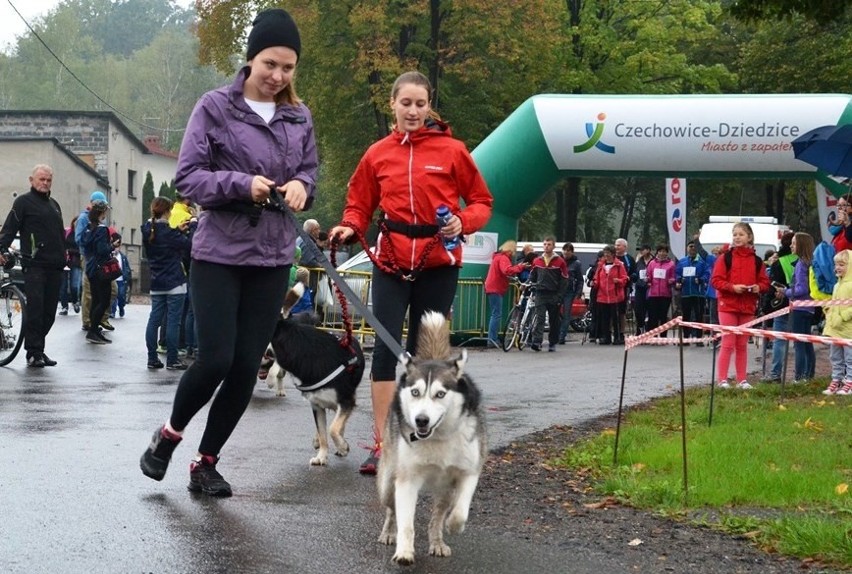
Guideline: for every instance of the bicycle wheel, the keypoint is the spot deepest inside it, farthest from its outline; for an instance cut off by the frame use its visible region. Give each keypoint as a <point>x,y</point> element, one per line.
<point>12,313</point>
<point>527,329</point>
<point>510,337</point>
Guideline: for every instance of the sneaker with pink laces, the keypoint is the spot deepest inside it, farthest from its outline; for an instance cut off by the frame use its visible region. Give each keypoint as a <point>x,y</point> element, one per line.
<point>744,386</point>
<point>723,385</point>
<point>371,463</point>
<point>846,390</point>
<point>832,388</point>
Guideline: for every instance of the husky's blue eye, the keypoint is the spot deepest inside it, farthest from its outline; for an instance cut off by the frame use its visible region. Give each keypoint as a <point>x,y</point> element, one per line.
<point>441,394</point>
<point>415,393</point>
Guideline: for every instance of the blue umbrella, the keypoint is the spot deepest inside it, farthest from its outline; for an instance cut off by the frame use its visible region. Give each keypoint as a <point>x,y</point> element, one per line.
<point>829,148</point>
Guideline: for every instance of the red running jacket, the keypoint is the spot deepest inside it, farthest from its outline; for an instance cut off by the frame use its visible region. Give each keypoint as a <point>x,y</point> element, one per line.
<point>408,175</point>
<point>745,271</point>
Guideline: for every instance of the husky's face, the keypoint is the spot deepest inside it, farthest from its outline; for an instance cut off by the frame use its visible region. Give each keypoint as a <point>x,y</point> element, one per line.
<point>429,394</point>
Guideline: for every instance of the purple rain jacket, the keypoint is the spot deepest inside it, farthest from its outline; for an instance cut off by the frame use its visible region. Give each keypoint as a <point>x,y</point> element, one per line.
<point>225,145</point>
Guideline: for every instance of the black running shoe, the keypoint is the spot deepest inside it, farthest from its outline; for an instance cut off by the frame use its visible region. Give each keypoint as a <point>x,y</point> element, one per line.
<point>36,362</point>
<point>155,364</point>
<point>203,477</point>
<point>48,362</point>
<point>96,338</point>
<point>155,459</point>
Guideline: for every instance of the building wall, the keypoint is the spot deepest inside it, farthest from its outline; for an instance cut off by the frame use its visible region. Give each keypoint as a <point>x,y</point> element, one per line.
<point>72,184</point>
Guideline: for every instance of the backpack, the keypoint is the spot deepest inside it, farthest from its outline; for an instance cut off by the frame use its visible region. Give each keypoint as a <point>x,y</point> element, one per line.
<point>821,278</point>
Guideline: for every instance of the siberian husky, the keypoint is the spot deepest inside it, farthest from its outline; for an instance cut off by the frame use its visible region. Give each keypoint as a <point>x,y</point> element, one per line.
<point>434,439</point>
<point>328,373</point>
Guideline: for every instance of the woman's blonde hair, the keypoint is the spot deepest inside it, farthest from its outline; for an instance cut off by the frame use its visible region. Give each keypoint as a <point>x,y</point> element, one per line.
<point>288,95</point>
<point>302,274</point>
<point>509,246</point>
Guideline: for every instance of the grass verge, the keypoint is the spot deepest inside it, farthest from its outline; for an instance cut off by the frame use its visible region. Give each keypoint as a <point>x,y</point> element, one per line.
<point>777,473</point>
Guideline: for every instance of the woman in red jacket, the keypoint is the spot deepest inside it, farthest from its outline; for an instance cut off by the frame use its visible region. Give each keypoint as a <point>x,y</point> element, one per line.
<point>610,278</point>
<point>739,279</point>
<point>497,283</point>
<point>417,168</point>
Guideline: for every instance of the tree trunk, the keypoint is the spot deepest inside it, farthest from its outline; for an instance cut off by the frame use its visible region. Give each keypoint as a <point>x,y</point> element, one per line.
<point>559,221</point>
<point>435,43</point>
<point>627,210</point>
<point>572,208</point>
<point>802,206</point>
<point>780,191</point>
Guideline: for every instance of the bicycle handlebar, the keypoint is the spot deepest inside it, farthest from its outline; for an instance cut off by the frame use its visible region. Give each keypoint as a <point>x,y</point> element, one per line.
<point>11,259</point>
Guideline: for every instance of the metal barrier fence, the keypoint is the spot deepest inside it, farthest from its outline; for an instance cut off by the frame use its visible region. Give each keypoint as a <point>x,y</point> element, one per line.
<point>468,319</point>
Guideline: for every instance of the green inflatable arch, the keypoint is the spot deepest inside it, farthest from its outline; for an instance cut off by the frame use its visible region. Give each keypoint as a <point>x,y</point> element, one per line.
<point>553,136</point>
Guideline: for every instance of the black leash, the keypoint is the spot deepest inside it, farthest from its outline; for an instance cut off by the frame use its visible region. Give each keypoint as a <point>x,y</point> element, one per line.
<point>277,202</point>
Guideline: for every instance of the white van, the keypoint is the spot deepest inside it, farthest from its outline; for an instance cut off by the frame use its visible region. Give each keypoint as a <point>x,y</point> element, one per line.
<point>767,232</point>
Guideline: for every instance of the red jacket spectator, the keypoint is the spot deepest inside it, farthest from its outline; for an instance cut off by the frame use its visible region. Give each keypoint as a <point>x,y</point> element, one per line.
<point>610,279</point>
<point>497,280</point>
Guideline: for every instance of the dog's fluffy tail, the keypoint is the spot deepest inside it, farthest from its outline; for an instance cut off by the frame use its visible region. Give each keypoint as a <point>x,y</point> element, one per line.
<point>433,340</point>
<point>292,297</point>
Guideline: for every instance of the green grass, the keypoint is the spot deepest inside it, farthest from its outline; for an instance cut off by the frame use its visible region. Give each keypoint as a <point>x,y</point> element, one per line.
<point>780,474</point>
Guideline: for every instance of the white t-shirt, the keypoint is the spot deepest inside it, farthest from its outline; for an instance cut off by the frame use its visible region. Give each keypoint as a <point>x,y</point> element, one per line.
<point>264,109</point>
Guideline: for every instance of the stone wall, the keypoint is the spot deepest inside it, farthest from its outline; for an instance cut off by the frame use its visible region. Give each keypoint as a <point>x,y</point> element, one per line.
<point>90,135</point>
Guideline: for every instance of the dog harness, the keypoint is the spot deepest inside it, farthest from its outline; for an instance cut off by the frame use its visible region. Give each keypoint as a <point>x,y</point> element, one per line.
<point>348,365</point>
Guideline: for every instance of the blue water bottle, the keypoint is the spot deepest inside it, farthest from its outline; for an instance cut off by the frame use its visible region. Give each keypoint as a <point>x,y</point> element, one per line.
<point>442,218</point>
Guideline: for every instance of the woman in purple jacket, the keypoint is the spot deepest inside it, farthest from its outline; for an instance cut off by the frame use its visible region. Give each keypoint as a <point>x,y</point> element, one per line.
<point>242,142</point>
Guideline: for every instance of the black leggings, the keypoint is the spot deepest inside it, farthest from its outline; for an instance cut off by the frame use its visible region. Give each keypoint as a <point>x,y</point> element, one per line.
<point>433,290</point>
<point>236,310</point>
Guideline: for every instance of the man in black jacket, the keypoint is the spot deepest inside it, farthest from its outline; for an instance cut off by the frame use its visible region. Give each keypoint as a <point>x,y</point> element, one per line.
<point>550,276</point>
<point>38,219</point>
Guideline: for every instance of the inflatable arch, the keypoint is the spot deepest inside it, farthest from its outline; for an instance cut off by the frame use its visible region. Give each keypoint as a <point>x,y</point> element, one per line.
<point>714,136</point>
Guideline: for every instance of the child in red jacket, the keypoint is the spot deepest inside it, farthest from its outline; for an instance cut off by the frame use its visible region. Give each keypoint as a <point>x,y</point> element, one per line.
<point>739,279</point>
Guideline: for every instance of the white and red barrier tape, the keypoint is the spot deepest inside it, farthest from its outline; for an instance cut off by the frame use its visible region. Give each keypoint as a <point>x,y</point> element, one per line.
<point>650,338</point>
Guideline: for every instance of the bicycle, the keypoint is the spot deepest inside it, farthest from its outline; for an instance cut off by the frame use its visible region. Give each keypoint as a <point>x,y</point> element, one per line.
<point>13,305</point>
<point>522,320</point>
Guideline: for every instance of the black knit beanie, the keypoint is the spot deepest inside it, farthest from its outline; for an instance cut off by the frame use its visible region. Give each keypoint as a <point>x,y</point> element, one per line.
<point>273,28</point>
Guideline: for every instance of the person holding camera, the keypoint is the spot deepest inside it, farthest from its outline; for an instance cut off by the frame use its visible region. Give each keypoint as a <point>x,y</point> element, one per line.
<point>739,278</point>
<point>244,145</point>
<point>37,217</point>
<point>840,224</point>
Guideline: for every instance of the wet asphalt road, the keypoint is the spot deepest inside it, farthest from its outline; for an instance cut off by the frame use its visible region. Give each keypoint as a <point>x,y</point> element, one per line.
<point>72,497</point>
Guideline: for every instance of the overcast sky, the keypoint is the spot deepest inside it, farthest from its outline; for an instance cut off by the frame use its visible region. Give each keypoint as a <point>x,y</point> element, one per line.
<point>11,25</point>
